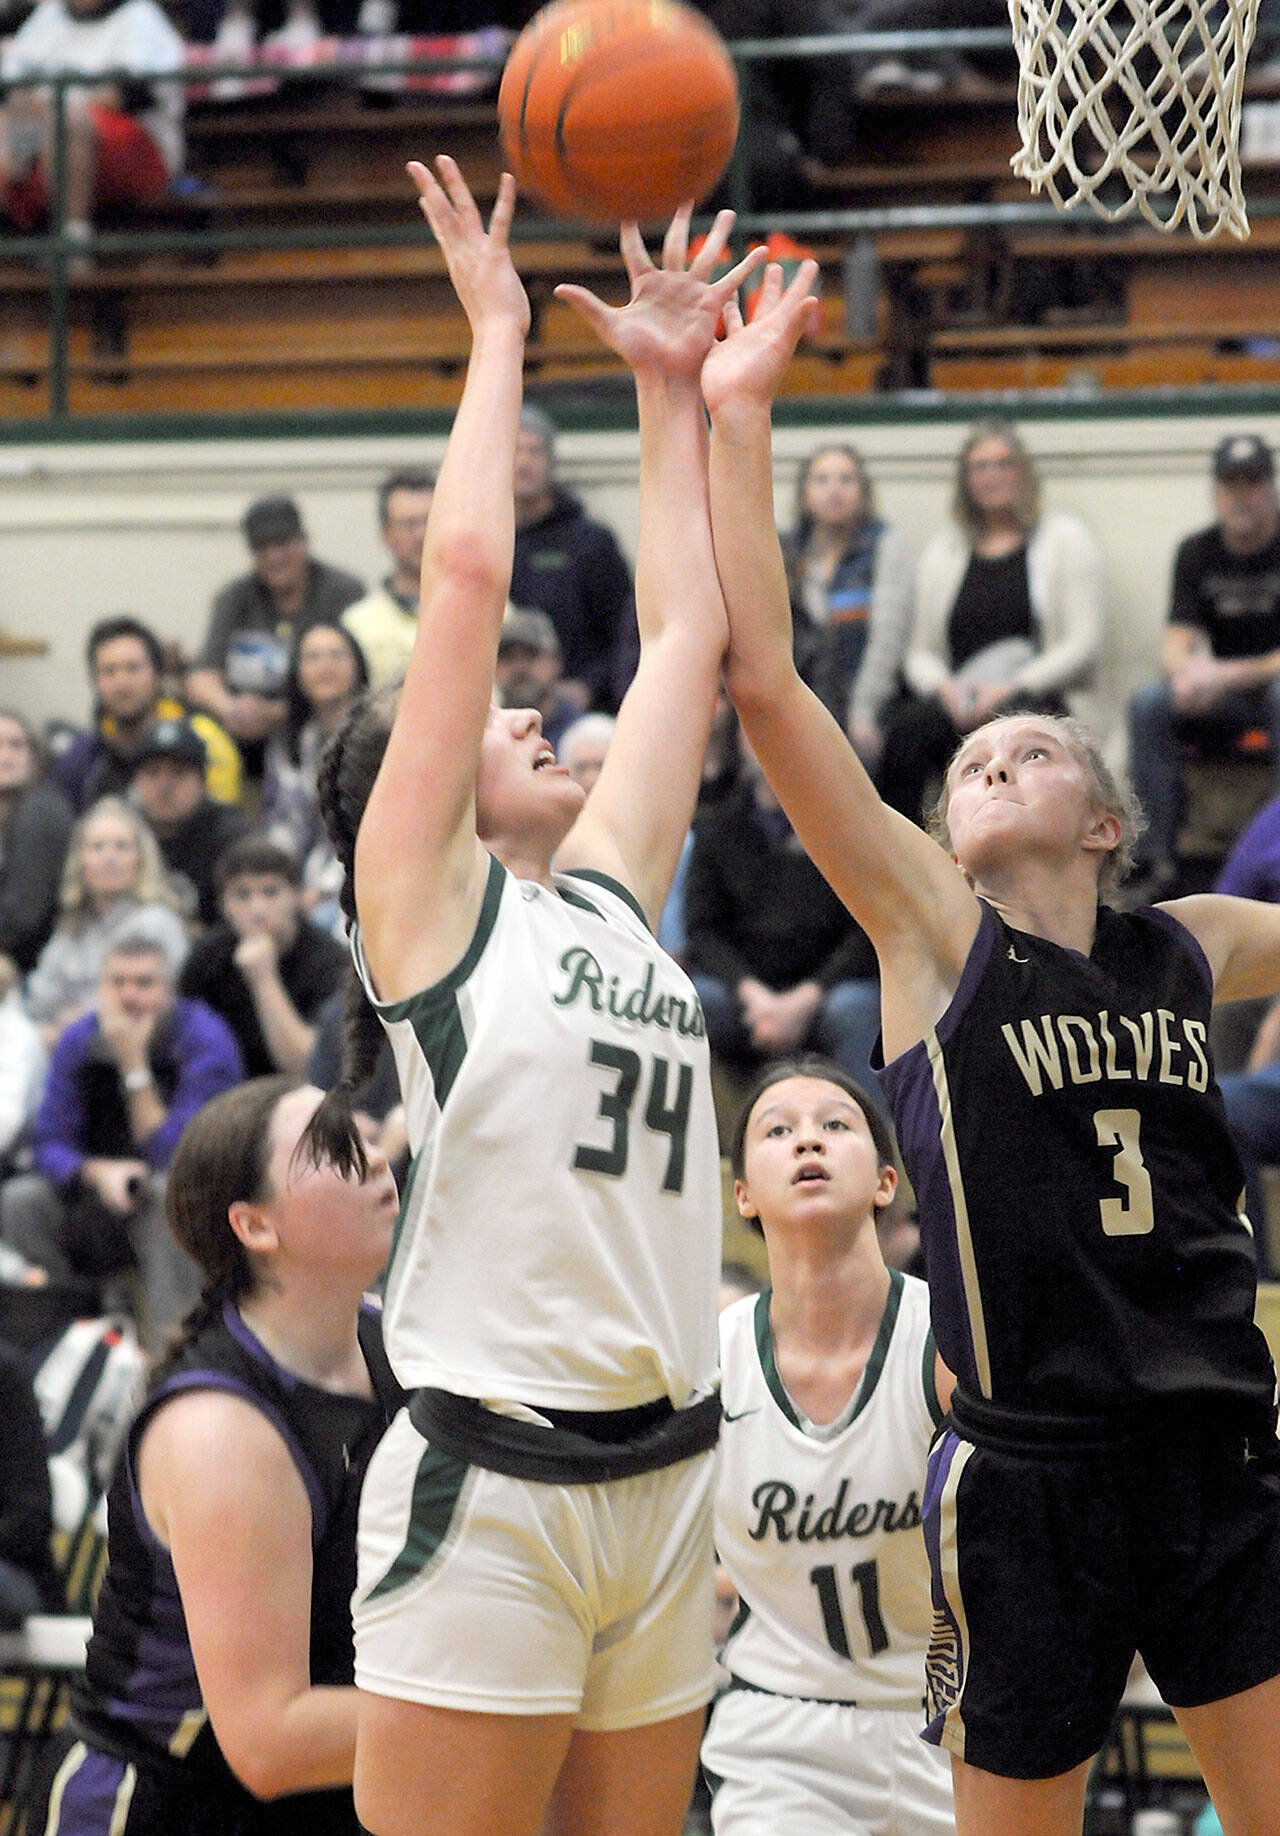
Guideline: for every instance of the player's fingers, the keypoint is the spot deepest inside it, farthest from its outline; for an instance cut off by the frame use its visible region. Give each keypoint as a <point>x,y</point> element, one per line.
<point>714,245</point>
<point>583,301</point>
<point>425,182</point>
<point>432,202</point>
<point>731,315</point>
<point>802,280</point>
<point>504,207</point>
<point>457,192</point>
<point>675,244</point>
<point>770,289</point>
<point>753,259</point>
<point>635,256</point>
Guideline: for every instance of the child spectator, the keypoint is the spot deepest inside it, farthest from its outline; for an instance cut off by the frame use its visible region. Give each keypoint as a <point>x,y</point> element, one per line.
<point>266,968</point>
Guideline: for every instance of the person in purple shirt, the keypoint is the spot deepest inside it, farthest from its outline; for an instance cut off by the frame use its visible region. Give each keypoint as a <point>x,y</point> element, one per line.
<point>123,1083</point>
<point>1252,1096</point>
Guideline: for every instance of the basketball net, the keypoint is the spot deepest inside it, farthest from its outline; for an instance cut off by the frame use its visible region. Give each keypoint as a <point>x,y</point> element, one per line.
<point>1143,94</point>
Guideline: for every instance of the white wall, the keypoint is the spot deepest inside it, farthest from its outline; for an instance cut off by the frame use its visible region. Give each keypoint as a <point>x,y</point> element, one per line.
<point>87,530</point>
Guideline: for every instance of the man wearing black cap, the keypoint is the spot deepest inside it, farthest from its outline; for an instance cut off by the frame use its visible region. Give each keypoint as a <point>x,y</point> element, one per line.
<point>1221,649</point>
<point>528,671</point>
<point>192,830</point>
<point>256,620</point>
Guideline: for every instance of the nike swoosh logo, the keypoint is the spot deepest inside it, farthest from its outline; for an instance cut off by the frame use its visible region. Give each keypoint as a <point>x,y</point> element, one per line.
<point>1015,958</point>
<point>741,1412</point>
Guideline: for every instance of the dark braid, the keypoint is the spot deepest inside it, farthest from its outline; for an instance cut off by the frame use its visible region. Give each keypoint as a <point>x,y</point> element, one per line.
<point>348,770</point>
<point>221,1158</point>
<point>206,1311</point>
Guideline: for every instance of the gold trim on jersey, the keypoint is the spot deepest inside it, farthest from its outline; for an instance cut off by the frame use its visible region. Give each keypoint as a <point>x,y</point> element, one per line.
<point>67,1771</point>
<point>960,1206</point>
<point>953,1728</point>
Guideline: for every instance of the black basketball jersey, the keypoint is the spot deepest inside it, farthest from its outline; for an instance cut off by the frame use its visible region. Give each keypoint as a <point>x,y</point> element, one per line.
<point>1077,1185</point>
<point>140,1697</point>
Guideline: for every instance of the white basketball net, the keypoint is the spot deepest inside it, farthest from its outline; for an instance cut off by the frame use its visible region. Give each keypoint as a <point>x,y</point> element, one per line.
<point>1144,93</point>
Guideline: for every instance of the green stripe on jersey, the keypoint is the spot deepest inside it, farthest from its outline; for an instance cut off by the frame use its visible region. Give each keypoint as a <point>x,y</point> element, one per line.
<point>406,1199</point>
<point>874,1365</point>
<point>611,885</point>
<point>441,993</point>
<point>437,1486</point>
<point>929,1373</point>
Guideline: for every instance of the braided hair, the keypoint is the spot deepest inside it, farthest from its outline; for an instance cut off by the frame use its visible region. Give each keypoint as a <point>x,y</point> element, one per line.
<point>349,767</point>
<point>221,1159</point>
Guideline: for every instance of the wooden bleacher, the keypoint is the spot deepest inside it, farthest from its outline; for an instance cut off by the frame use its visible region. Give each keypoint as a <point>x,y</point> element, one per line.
<point>988,306</point>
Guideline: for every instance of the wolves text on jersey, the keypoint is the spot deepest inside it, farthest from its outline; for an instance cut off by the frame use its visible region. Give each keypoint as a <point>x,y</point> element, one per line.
<point>1158,1047</point>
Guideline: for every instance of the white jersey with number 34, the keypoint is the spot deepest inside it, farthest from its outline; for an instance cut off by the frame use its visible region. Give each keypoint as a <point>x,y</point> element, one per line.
<point>559,1233</point>
<point>819,1527</point>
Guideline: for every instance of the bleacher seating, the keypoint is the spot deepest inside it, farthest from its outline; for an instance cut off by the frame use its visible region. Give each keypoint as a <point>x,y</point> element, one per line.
<point>265,320</point>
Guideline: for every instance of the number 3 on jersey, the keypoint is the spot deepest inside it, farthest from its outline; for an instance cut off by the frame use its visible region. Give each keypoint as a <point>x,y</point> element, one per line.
<point>663,1117</point>
<point>1134,1214</point>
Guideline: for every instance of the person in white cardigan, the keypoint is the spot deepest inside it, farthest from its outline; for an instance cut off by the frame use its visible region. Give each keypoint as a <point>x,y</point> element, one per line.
<point>1008,616</point>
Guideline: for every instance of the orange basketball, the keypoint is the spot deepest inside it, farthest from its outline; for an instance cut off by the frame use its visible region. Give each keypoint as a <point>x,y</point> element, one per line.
<point>613,109</point>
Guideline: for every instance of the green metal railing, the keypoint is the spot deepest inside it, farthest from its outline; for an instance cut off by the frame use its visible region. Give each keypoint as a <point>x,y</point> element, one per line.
<point>56,250</point>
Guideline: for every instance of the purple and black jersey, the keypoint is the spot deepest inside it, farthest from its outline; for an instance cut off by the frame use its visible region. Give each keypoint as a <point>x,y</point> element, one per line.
<point>140,1698</point>
<point>1077,1185</point>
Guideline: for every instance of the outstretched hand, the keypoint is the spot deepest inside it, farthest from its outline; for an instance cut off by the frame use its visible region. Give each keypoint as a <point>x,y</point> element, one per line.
<point>479,262</point>
<point>669,323</point>
<point>749,362</point>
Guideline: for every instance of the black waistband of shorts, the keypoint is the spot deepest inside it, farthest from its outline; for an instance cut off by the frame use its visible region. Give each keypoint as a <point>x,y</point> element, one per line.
<point>1037,1436</point>
<point>785,1695</point>
<point>120,1742</point>
<point>580,1447</point>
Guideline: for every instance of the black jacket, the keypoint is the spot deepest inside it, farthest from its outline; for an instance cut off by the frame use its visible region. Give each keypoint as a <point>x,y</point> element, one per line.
<point>573,570</point>
<point>755,904</point>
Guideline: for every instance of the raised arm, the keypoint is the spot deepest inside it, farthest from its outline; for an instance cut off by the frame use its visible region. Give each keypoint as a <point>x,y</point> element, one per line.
<point>902,889</point>
<point>1240,938</point>
<point>419,866</point>
<point>636,818</point>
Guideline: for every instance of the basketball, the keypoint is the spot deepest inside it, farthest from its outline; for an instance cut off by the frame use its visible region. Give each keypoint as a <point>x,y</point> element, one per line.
<point>618,109</point>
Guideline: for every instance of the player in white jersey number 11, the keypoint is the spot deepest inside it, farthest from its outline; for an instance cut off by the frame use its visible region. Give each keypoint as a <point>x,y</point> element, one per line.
<point>832,1388</point>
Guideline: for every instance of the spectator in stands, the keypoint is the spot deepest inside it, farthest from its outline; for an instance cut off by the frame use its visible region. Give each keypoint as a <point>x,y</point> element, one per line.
<point>23,1062</point>
<point>266,968</point>
<point>326,676</point>
<point>383,623</point>
<point>922,73</point>
<point>28,1579</point>
<point>123,1083</point>
<point>777,960</point>
<point>571,568</point>
<point>1221,650</point>
<point>192,830</point>
<point>852,579</point>
<point>799,111</point>
<point>528,672</point>
<point>35,828</point>
<point>1008,616</point>
<point>126,668</point>
<point>1252,1099</point>
<point>256,620</point>
<point>583,746</point>
<point>124,140</point>
<point>114,881</point>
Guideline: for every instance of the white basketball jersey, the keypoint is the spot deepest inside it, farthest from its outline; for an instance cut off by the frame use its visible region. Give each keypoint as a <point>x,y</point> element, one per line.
<point>559,1234</point>
<point>820,1530</point>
